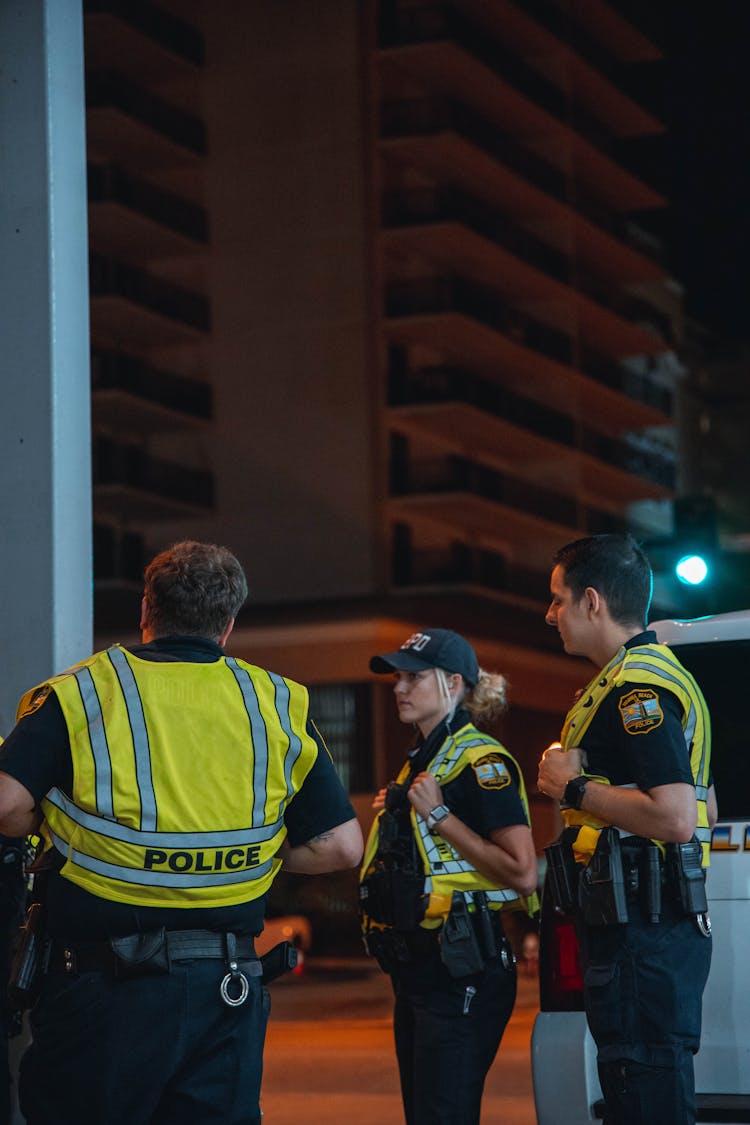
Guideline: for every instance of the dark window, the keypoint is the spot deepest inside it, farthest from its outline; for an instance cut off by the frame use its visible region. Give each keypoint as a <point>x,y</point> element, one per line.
<point>721,671</point>
<point>342,713</point>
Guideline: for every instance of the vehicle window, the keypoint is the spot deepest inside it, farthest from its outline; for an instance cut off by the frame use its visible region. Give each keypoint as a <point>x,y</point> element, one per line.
<point>721,670</point>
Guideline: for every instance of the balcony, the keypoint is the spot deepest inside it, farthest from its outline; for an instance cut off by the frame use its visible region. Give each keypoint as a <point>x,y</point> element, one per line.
<point>127,123</point>
<point>133,221</point>
<point>543,33</point>
<point>449,142</point>
<point>476,418</point>
<point>454,248</point>
<point>467,342</point>
<point>443,21</point>
<point>131,486</point>
<point>129,394</point>
<point>446,70</point>
<point>456,563</point>
<point>494,509</point>
<point>133,309</point>
<point>153,44</point>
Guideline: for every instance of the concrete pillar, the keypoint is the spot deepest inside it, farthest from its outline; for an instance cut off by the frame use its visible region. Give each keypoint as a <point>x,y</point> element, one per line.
<point>45,439</point>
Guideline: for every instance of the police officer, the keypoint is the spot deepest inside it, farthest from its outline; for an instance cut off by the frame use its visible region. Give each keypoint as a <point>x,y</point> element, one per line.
<point>450,850</point>
<point>169,782</point>
<point>632,771</point>
<point>13,892</point>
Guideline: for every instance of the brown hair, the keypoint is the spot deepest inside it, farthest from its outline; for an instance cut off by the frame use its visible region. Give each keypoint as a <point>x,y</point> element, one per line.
<point>193,588</point>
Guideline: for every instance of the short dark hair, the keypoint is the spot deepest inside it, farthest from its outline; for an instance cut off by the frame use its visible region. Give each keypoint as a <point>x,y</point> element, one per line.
<point>615,566</point>
<point>193,588</point>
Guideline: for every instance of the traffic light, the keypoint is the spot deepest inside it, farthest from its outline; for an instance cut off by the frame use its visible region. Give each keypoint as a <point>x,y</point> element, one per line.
<point>695,538</point>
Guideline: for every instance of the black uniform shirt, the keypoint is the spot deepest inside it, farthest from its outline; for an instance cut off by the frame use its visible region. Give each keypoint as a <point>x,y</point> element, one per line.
<point>37,754</point>
<point>656,756</point>
<point>475,799</point>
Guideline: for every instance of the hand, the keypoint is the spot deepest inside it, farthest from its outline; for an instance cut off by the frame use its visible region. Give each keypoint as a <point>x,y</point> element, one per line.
<point>556,769</point>
<point>424,794</point>
<point>379,801</point>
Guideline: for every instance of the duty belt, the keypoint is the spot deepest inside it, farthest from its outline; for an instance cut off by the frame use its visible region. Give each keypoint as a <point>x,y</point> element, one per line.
<point>152,953</point>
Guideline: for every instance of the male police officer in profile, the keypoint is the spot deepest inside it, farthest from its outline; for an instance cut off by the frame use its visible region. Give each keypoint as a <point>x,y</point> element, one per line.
<point>632,770</point>
<point>169,782</point>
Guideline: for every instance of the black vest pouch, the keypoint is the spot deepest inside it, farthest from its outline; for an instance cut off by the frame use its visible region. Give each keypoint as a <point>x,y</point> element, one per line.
<point>394,897</point>
<point>140,955</point>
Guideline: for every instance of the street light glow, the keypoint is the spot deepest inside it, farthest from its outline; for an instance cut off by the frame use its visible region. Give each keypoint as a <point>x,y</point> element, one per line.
<point>692,570</point>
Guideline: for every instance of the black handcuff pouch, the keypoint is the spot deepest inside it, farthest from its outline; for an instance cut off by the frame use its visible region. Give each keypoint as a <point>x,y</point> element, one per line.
<point>140,955</point>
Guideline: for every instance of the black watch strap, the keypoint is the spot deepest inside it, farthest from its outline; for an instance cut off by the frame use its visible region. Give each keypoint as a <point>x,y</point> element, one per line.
<point>574,790</point>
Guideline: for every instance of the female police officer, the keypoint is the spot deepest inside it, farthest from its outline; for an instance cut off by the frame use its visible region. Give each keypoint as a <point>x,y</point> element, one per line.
<point>450,849</point>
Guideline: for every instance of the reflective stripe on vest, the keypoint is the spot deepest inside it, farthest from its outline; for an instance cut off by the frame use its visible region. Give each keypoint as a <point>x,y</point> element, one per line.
<point>145,736</point>
<point>656,666</point>
<point>445,870</point>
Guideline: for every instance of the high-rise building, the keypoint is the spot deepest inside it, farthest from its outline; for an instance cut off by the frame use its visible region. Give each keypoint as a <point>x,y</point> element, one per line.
<point>376,301</point>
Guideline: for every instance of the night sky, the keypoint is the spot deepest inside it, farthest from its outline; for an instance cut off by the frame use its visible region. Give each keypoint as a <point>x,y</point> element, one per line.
<point>705,160</point>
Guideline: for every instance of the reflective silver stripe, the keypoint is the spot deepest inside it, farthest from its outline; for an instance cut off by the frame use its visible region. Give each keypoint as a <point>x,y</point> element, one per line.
<point>140,738</point>
<point>456,866</point>
<point>239,837</point>
<point>452,751</point>
<point>691,721</point>
<point>259,736</point>
<point>295,742</point>
<point>701,792</point>
<point>703,835</point>
<point>437,761</point>
<point>188,880</point>
<point>493,896</point>
<point>98,740</point>
<point>502,896</point>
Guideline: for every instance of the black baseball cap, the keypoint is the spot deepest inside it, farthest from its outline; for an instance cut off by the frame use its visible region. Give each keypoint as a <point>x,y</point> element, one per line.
<point>432,648</point>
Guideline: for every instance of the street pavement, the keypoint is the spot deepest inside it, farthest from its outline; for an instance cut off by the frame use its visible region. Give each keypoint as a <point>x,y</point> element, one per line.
<point>329,1052</point>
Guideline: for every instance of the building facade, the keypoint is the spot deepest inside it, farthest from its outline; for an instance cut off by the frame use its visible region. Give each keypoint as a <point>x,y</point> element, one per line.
<point>376,301</point>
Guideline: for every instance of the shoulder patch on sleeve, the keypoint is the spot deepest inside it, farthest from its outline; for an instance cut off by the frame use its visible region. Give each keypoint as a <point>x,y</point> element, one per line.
<point>491,772</point>
<point>35,702</point>
<point>640,711</point>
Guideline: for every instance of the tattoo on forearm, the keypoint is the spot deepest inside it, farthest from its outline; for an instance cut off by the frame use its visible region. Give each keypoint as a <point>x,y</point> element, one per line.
<point>321,838</point>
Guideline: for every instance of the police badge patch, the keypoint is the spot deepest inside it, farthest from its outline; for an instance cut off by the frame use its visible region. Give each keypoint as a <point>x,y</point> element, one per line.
<point>640,711</point>
<point>36,701</point>
<point>492,772</point>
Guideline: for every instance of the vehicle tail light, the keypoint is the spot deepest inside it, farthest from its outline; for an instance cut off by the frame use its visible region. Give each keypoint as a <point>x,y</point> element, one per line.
<point>560,977</point>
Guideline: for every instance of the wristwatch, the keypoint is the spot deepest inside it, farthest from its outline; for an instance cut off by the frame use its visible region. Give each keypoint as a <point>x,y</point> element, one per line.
<point>437,814</point>
<point>574,790</point>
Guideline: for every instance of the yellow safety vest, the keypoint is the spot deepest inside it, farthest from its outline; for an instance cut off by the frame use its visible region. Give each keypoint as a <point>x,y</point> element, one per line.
<point>445,870</point>
<point>181,775</point>
<point>653,666</point>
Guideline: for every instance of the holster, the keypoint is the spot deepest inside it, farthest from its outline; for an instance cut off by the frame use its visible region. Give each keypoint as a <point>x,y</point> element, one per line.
<point>601,890</point>
<point>280,959</point>
<point>563,875</point>
<point>29,958</point>
<point>459,946</point>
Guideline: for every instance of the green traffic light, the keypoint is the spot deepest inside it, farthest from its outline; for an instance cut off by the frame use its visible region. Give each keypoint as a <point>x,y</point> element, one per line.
<point>692,570</point>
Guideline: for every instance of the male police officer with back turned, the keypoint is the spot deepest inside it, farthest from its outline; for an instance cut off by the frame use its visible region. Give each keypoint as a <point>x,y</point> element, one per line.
<point>632,769</point>
<point>172,781</point>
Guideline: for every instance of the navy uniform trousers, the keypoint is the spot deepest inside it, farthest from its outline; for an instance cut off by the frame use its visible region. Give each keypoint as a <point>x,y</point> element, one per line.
<point>447,1034</point>
<point>151,1050</point>
<point>643,989</point>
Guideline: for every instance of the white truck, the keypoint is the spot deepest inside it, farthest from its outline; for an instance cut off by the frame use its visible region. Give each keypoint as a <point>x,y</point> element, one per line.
<point>566,1086</point>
